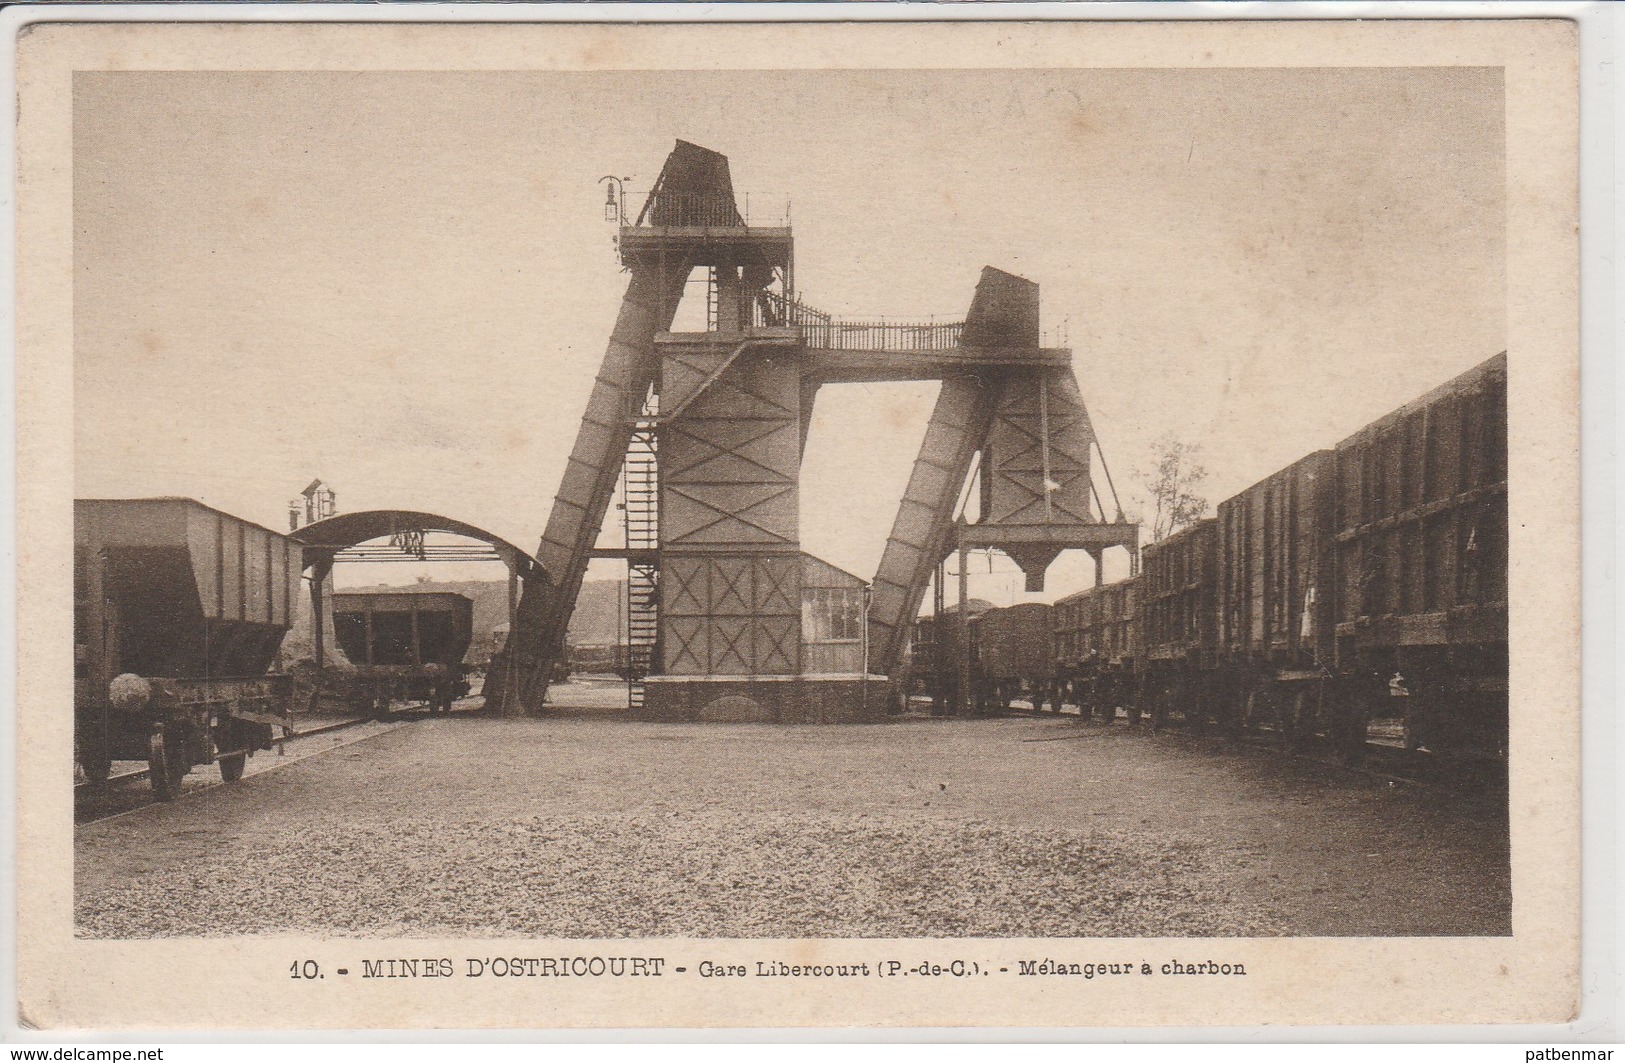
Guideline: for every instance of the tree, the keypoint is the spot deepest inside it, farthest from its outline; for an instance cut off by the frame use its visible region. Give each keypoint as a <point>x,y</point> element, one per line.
<point>1172,481</point>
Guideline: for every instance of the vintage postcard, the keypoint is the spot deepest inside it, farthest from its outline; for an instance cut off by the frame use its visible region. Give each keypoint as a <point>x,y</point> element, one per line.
<point>650,524</point>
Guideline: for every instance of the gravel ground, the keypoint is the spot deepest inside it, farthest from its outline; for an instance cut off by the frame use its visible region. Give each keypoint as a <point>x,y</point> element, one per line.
<point>585,824</point>
<point>711,875</point>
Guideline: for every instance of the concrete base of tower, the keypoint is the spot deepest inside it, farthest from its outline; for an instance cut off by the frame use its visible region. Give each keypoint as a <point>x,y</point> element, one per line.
<point>850,698</point>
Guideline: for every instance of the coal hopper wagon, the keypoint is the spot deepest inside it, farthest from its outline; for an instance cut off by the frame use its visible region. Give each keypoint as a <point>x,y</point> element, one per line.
<point>407,646</point>
<point>179,612</point>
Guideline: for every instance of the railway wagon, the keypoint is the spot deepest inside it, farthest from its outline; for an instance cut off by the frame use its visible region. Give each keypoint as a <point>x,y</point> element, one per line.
<point>1420,528</point>
<point>406,646</point>
<point>179,611</point>
<point>1013,652</point>
<point>1071,616</point>
<point>1178,604</point>
<point>1097,647</point>
<point>1076,655</point>
<point>933,654</point>
<point>922,669</point>
<point>1117,640</point>
<point>1276,571</point>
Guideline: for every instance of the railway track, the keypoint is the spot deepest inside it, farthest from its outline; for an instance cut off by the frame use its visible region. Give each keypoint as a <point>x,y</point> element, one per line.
<point>94,802</point>
<point>112,780</point>
<point>1385,759</point>
<point>141,773</point>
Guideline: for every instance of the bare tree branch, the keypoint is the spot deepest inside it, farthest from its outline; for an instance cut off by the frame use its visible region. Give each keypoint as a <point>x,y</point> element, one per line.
<point>1172,483</point>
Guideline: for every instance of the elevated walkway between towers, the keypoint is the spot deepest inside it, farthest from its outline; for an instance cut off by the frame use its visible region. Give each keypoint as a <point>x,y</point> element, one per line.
<point>714,230</point>
<point>840,350</point>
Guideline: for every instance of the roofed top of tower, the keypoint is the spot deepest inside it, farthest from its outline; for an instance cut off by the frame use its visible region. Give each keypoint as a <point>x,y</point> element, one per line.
<point>694,187</point>
<point>1003,313</point>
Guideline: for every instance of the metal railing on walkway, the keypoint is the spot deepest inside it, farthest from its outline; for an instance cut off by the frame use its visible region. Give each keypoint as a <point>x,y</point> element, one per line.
<point>681,210</point>
<point>821,330</point>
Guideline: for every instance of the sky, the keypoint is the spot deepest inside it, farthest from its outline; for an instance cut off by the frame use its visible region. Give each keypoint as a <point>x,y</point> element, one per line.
<point>402,283</point>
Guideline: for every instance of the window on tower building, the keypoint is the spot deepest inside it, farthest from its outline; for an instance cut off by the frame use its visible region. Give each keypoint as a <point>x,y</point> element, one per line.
<point>832,614</point>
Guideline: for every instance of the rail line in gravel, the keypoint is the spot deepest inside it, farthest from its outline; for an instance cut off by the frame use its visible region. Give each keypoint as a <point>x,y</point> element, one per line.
<point>1411,769</point>
<point>132,776</point>
<point>141,773</point>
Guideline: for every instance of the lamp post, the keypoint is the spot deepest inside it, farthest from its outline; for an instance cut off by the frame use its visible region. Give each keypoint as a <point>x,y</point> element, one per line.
<point>614,198</point>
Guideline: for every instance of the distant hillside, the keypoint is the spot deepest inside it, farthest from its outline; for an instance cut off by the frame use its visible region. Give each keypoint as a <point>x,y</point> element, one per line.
<point>597,619</point>
<point>594,622</point>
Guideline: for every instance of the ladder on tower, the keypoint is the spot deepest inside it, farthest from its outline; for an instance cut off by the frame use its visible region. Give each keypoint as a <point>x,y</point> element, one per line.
<point>711,300</point>
<point>642,526</point>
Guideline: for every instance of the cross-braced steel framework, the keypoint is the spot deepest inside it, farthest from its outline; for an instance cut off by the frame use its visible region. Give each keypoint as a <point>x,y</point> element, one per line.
<point>711,426</point>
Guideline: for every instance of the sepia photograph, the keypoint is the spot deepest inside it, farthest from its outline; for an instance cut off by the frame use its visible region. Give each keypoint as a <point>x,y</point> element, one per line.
<point>633,506</point>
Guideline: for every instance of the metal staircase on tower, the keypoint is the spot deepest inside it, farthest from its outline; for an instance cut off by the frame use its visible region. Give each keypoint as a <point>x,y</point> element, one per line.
<point>641,517</point>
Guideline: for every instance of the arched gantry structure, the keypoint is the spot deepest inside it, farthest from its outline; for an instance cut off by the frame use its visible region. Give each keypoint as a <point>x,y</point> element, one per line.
<point>709,429</point>
<point>345,538</point>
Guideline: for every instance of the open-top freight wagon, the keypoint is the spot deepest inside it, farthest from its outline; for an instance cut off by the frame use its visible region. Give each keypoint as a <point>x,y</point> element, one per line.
<point>1276,666</point>
<point>406,646</point>
<point>1097,650</point>
<point>1013,654</point>
<point>179,611</point>
<point>1116,638</point>
<point>933,653</point>
<point>1178,619</point>
<point>1077,664</point>
<point>1358,595</point>
<point>1420,534</point>
<point>1363,585</point>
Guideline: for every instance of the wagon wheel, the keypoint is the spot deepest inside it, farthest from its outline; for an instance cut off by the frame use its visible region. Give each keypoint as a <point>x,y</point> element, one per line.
<point>231,767</point>
<point>1196,712</point>
<point>1278,703</point>
<point>1236,706</point>
<point>96,765</point>
<point>1297,724</point>
<point>1353,709</point>
<point>233,737</point>
<point>166,766</point>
